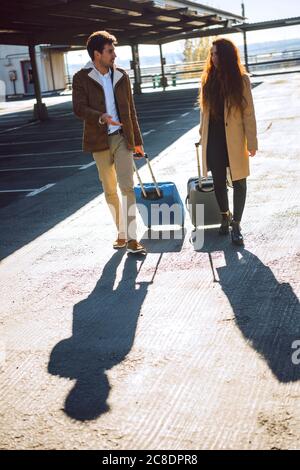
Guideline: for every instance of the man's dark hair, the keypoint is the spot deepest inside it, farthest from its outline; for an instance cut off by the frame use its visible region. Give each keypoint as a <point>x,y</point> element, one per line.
<point>97,41</point>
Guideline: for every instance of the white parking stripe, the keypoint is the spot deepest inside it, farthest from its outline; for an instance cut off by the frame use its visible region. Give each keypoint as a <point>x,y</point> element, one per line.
<point>37,132</point>
<point>170,122</point>
<point>146,112</point>
<point>18,127</point>
<point>148,132</point>
<point>84,167</point>
<point>16,190</point>
<point>185,114</point>
<point>168,105</point>
<point>43,188</point>
<point>39,141</point>
<point>15,116</point>
<point>156,117</point>
<point>41,168</point>
<point>39,154</point>
<point>63,114</point>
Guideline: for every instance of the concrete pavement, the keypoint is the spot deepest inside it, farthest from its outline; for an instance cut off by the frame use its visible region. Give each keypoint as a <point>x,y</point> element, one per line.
<point>184,349</point>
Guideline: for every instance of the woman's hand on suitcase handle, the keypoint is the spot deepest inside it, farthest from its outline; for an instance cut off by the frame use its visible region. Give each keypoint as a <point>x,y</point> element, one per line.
<point>252,153</point>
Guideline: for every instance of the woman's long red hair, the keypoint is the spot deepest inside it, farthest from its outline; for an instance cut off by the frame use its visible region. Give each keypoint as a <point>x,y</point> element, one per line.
<point>224,82</point>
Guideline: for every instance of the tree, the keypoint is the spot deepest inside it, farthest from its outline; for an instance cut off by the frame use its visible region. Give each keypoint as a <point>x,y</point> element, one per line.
<point>196,50</point>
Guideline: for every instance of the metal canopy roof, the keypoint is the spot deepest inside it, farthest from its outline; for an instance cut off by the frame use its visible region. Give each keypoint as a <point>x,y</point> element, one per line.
<point>235,28</point>
<point>70,22</point>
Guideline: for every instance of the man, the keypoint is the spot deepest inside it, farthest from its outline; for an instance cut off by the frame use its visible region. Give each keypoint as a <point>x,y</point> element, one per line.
<point>102,98</point>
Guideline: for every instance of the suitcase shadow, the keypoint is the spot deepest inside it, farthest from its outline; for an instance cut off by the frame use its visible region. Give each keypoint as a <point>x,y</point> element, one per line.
<point>163,241</point>
<point>266,311</point>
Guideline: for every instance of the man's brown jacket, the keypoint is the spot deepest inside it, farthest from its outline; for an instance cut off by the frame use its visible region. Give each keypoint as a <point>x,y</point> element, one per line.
<point>89,105</point>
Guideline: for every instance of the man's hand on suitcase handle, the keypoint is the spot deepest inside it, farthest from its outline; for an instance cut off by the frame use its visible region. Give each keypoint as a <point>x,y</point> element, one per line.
<point>139,152</point>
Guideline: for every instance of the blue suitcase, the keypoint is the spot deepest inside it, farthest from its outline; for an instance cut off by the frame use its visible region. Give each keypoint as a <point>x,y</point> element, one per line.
<point>158,203</point>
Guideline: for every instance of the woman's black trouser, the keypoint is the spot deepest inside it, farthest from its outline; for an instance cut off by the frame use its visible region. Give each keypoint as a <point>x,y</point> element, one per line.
<point>217,162</point>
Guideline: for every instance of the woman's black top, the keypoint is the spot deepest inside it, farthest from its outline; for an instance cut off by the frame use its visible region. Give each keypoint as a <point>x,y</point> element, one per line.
<point>217,153</point>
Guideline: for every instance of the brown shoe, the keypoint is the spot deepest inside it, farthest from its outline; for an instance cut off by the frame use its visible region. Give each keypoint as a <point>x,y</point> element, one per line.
<point>119,243</point>
<point>133,246</point>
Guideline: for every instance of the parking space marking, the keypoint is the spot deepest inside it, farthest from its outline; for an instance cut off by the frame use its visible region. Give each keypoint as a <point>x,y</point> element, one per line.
<point>148,132</point>
<point>27,124</point>
<point>40,168</point>
<point>84,167</point>
<point>170,122</point>
<point>63,114</point>
<point>155,117</point>
<point>16,190</point>
<point>39,190</point>
<point>18,127</point>
<point>148,112</point>
<point>39,141</point>
<point>14,155</point>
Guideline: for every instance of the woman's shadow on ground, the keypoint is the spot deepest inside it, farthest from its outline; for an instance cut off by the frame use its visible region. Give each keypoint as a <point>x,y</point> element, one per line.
<point>104,326</point>
<point>266,311</point>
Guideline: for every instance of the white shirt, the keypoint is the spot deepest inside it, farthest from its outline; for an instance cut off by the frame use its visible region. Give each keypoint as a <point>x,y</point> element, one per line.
<point>111,108</point>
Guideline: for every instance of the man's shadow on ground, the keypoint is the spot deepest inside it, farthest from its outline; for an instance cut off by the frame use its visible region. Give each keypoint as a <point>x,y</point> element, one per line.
<point>266,311</point>
<point>104,326</point>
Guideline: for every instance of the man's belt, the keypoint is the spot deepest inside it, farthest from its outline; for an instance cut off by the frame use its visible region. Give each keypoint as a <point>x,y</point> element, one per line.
<point>118,131</point>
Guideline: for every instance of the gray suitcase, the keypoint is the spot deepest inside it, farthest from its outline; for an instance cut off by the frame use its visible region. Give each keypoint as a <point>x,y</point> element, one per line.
<point>200,191</point>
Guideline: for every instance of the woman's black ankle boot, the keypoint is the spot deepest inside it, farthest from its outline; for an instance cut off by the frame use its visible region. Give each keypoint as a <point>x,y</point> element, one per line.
<point>225,223</point>
<point>236,234</point>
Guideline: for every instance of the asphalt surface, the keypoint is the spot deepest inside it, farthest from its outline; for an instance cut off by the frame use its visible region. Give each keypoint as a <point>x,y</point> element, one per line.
<point>35,156</point>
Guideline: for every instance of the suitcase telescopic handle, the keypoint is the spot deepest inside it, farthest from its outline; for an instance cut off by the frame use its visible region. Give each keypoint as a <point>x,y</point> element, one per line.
<point>152,176</point>
<point>197,144</point>
<point>139,178</point>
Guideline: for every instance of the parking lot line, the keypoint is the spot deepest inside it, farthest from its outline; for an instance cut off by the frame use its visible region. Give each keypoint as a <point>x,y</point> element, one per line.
<point>84,167</point>
<point>14,155</point>
<point>16,190</point>
<point>18,127</point>
<point>41,168</point>
<point>148,132</point>
<point>40,141</point>
<point>39,190</point>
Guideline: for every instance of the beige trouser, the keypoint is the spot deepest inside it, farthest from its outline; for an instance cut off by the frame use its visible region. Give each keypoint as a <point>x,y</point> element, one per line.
<point>115,165</point>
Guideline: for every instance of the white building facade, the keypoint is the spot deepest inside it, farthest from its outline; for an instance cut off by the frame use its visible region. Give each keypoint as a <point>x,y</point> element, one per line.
<point>16,72</point>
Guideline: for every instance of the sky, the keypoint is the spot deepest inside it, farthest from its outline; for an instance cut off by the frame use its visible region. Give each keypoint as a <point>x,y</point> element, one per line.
<point>263,10</point>
<point>255,10</point>
<point>259,10</point>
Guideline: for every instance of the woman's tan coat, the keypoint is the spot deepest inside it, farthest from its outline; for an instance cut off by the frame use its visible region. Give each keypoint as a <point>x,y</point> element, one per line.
<point>241,134</point>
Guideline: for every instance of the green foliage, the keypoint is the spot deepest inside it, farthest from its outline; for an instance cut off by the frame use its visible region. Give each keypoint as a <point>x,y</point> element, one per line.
<point>196,50</point>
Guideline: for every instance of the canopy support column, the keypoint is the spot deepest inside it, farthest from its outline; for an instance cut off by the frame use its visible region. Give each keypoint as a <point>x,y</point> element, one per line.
<point>135,65</point>
<point>39,111</point>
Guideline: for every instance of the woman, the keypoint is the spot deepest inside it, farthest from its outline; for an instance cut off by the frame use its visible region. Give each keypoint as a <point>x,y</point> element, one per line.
<point>227,130</point>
